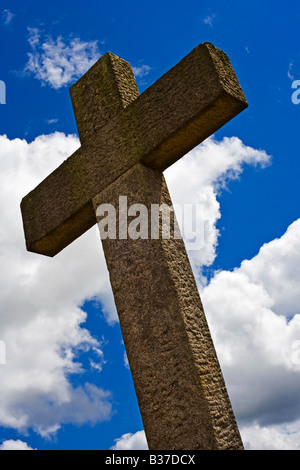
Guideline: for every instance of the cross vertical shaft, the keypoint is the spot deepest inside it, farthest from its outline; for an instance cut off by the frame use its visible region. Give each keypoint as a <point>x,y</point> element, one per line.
<point>178,381</point>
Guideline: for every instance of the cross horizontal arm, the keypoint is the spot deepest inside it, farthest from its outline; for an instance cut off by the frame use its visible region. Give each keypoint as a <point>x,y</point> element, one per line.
<point>186,105</point>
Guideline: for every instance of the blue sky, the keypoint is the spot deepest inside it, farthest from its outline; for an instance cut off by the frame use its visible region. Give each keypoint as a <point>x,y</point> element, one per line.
<point>66,384</point>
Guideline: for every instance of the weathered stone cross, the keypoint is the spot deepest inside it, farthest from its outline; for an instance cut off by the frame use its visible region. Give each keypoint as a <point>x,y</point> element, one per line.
<point>127,141</point>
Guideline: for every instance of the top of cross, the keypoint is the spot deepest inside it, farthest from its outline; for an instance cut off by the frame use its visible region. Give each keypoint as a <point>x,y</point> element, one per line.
<point>119,128</point>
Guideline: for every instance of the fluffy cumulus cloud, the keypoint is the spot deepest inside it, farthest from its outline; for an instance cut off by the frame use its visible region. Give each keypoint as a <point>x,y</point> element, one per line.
<point>254,316</point>
<point>208,168</point>
<point>141,71</point>
<point>58,62</point>
<point>15,445</point>
<point>41,322</point>
<point>130,441</point>
<point>276,437</point>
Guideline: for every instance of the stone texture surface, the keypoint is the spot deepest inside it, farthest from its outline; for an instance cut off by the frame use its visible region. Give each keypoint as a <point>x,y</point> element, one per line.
<point>178,380</point>
<point>119,128</point>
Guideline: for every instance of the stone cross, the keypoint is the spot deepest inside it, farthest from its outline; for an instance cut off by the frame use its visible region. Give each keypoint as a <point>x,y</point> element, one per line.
<point>127,141</point>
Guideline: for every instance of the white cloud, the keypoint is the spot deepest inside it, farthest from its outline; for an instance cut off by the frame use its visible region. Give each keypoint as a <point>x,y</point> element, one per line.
<point>7,16</point>
<point>130,441</point>
<point>209,19</point>
<point>58,62</point>
<point>40,322</point>
<point>253,313</point>
<point>208,169</point>
<point>15,445</point>
<point>284,437</point>
<point>141,71</point>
